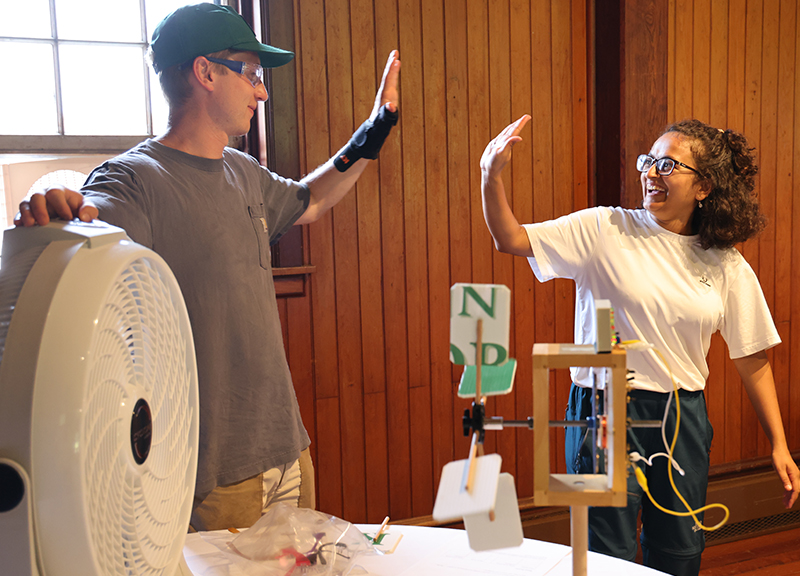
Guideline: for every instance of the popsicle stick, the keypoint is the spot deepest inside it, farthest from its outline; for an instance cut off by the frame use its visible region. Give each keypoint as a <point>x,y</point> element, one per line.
<point>381,529</point>
<point>473,449</point>
<point>478,359</point>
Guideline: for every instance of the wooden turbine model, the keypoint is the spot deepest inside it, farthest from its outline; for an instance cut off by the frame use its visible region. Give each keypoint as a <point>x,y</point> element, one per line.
<point>474,489</point>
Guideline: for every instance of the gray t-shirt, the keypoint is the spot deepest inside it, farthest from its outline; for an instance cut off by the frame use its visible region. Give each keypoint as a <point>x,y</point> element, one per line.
<point>213,222</point>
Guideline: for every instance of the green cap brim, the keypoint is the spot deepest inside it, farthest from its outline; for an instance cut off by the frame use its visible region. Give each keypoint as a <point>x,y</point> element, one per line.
<point>269,56</point>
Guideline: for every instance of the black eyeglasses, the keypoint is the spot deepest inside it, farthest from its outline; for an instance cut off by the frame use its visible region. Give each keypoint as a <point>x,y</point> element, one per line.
<point>664,166</point>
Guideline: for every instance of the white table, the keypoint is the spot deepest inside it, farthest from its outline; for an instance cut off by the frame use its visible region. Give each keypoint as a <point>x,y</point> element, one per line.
<point>422,551</point>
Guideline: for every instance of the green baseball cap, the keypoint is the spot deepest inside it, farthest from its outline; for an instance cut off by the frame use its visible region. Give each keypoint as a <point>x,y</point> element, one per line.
<point>200,29</point>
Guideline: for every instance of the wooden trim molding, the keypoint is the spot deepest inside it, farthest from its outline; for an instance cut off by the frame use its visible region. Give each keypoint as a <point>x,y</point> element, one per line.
<point>292,281</point>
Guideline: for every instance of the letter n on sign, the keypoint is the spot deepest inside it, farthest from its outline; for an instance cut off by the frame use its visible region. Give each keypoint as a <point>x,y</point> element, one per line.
<point>492,304</point>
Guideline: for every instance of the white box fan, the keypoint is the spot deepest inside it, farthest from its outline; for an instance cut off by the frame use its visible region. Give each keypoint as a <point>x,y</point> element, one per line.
<point>98,406</point>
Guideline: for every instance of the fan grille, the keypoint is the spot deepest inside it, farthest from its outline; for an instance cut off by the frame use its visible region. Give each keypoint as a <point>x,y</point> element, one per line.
<point>139,351</point>
<point>15,272</point>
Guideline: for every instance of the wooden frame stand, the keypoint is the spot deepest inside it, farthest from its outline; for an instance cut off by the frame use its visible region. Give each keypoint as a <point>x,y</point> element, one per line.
<point>579,491</point>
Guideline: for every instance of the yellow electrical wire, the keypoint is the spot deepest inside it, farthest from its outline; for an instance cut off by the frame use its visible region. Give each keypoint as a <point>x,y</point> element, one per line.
<point>642,479</point>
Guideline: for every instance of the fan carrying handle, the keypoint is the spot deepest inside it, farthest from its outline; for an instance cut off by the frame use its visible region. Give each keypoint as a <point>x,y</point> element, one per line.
<point>16,521</point>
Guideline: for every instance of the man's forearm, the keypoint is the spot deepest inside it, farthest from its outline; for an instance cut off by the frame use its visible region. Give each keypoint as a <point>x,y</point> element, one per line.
<point>327,187</point>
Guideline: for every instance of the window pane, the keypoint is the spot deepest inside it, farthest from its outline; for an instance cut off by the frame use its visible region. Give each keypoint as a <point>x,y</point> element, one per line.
<point>158,105</point>
<point>29,19</point>
<point>30,108</point>
<point>103,90</point>
<point>119,20</point>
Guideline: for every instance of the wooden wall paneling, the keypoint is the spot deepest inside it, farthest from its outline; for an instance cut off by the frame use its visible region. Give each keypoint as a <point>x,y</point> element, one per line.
<point>285,103</point>
<point>457,49</point>
<point>346,265</point>
<point>367,67</point>
<point>671,58</point>
<point>736,65</point>
<point>377,456</point>
<point>483,36</point>
<point>295,312</point>
<point>502,265</point>
<point>328,463</point>
<point>458,158</point>
<point>752,129</point>
<point>793,423</point>
<point>701,60</point>
<point>312,66</point>
<point>394,289</point>
<point>563,190</point>
<point>683,59</point>
<point>768,148</point>
<point>295,324</point>
<point>645,89</point>
<point>781,369</point>
<point>423,489</point>
<point>784,225</point>
<point>438,219</point>
<point>582,67</point>
<point>315,121</point>
<point>480,60</point>
<point>543,187</point>
<point>732,434</point>
<point>731,439</point>
<point>768,166</point>
<point>718,68</point>
<point>718,98</point>
<point>419,357</point>
<point>784,148</point>
<point>300,350</point>
<point>372,337</point>
<point>715,397</point>
<point>608,87</point>
<point>520,171</point>
<point>283,315</point>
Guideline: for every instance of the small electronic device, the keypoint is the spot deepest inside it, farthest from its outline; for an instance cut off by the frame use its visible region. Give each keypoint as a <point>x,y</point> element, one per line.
<point>605,331</point>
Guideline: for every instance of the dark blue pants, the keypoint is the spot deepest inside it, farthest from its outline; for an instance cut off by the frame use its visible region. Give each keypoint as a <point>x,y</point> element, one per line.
<point>669,543</point>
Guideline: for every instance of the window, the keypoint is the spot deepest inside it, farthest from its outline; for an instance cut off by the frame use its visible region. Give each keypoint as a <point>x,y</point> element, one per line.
<point>79,90</point>
<point>79,74</point>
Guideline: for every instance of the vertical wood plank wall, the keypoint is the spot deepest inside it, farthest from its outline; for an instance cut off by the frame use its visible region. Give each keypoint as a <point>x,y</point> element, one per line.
<point>733,64</point>
<point>369,345</point>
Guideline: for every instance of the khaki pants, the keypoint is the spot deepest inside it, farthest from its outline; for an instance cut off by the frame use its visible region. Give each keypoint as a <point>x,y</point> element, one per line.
<point>240,505</point>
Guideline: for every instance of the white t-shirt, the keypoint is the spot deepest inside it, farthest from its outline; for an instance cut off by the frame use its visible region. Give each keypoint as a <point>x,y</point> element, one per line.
<point>664,289</point>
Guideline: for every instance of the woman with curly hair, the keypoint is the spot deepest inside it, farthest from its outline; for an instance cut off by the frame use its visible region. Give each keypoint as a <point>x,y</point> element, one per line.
<point>674,278</point>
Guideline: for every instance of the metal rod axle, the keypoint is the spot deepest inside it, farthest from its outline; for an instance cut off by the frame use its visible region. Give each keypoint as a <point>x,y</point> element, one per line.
<point>498,423</point>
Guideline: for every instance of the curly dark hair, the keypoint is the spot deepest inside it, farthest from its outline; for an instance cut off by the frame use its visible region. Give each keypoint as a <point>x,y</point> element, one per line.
<point>730,213</point>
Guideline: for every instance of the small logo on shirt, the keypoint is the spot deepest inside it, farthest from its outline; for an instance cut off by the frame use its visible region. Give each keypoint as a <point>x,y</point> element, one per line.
<point>704,280</point>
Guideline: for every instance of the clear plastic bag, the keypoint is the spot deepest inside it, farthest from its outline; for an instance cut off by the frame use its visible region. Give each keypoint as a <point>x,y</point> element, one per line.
<point>302,542</point>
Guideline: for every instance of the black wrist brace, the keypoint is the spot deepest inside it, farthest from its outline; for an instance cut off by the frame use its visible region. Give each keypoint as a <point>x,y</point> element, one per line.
<point>367,141</point>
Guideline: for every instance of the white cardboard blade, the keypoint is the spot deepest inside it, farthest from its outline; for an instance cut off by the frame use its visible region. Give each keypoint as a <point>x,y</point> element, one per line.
<point>505,531</point>
<point>454,502</point>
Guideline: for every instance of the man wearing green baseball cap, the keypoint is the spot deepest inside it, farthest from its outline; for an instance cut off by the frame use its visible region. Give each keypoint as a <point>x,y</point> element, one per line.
<point>212,212</point>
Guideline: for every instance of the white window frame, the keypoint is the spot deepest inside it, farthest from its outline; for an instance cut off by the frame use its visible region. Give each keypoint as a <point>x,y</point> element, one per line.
<point>87,144</point>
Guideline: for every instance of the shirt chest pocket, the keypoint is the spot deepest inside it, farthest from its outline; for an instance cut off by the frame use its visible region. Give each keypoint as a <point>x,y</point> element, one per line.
<point>258,220</point>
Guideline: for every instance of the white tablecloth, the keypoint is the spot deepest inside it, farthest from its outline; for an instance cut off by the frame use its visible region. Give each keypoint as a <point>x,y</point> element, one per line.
<point>422,551</point>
